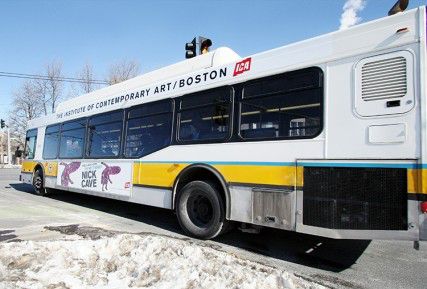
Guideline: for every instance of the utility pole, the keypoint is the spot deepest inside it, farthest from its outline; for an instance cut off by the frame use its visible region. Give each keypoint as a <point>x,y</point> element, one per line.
<point>9,156</point>
<point>1,147</point>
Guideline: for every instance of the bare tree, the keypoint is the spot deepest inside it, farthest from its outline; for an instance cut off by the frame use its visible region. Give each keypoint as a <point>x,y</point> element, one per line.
<point>50,90</point>
<point>88,82</point>
<point>27,104</point>
<point>122,71</point>
<point>86,74</point>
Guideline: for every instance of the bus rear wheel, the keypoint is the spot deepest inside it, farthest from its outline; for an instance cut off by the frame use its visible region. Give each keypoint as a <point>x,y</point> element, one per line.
<point>200,210</point>
<point>39,188</point>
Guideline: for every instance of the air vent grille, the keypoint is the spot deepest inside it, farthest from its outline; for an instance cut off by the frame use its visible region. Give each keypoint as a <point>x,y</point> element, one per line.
<point>355,198</point>
<point>384,79</point>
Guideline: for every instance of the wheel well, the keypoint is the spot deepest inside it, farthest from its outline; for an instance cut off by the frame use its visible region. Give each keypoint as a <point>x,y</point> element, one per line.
<point>202,173</point>
<point>39,167</point>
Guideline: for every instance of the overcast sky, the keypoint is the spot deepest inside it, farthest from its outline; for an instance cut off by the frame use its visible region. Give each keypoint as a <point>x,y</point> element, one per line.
<point>154,33</point>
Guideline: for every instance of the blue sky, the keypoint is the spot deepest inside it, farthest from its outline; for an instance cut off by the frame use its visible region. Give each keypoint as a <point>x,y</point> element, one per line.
<point>154,33</point>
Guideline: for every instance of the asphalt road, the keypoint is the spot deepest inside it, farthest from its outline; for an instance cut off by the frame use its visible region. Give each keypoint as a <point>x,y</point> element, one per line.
<point>334,263</point>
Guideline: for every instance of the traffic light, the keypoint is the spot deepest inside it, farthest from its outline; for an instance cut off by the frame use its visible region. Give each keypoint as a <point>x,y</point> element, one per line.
<point>2,124</point>
<point>400,6</point>
<point>204,43</point>
<point>190,49</point>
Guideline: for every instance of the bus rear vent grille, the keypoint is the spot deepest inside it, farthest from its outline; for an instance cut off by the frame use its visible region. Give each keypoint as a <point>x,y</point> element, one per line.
<point>384,79</point>
<point>355,198</point>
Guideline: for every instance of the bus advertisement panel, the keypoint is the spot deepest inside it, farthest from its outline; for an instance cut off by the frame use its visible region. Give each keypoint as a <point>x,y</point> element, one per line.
<point>106,177</point>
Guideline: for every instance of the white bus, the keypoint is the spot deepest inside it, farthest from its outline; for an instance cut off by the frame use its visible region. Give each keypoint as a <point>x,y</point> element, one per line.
<point>325,136</point>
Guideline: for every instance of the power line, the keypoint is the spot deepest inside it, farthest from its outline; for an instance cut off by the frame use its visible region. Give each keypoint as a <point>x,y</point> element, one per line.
<point>45,77</point>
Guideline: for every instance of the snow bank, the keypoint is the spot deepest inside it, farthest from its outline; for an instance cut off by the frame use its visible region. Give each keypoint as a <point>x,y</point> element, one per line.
<point>132,261</point>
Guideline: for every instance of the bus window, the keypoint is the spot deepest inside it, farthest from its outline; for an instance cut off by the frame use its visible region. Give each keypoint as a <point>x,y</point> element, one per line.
<point>30,144</point>
<point>205,116</point>
<point>72,139</point>
<point>148,128</point>
<point>288,106</point>
<point>51,139</point>
<point>105,133</point>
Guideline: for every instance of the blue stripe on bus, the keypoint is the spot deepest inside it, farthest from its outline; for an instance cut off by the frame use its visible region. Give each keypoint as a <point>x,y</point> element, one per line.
<point>276,164</point>
<point>300,164</point>
<point>360,165</point>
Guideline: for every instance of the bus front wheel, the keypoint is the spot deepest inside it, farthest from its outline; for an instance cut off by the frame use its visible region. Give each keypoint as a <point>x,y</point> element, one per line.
<point>200,210</point>
<point>39,188</point>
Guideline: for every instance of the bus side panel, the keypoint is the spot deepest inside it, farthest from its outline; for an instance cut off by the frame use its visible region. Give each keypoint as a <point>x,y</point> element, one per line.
<point>381,134</point>
<point>153,182</point>
<point>262,194</point>
<point>40,143</point>
<point>423,101</point>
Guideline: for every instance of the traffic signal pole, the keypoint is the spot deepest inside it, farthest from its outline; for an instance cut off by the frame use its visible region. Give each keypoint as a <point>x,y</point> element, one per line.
<point>9,156</point>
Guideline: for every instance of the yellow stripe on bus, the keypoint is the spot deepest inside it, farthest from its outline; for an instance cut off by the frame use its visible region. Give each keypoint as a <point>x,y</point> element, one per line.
<point>158,174</point>
<point>50,168</point>
<point>251,174</point>
<point>28,166</point>
<point>417,181</point>
<point>164,174</point>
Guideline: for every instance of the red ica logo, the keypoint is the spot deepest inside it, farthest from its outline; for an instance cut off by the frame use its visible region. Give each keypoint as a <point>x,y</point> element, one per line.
<point>242,66</point>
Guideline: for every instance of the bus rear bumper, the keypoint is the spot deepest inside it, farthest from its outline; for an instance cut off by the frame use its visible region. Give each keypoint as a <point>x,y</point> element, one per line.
<point>416,231</point>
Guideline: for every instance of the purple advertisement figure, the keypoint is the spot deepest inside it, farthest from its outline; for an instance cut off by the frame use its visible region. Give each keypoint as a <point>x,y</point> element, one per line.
<point>68,169</point>
<point>105,176</point>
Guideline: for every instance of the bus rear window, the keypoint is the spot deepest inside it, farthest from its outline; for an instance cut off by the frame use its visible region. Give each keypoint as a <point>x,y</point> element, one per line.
<point>30,144</point>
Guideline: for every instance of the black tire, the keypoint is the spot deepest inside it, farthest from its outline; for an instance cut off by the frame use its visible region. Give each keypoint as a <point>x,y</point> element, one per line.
<point>200,210</point>
<point>38,183</point>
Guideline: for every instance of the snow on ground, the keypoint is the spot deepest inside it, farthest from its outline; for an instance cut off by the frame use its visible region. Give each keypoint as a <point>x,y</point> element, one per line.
<point>133,261</point>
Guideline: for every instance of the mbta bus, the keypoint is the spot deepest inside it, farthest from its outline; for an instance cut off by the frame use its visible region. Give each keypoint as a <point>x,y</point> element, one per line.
<point>325,136</point>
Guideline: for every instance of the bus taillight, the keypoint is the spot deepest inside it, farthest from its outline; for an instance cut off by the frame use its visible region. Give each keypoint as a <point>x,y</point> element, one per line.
<point>424,207</point>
